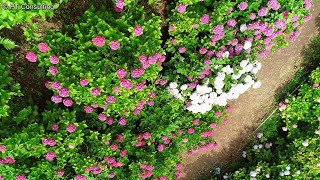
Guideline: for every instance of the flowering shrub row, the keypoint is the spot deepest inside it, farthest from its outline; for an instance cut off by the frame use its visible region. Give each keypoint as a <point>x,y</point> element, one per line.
<point>293,151</point>
<point>18,12</point>
<point>7,88</point>
<point>71,144</point>
<point>110,62</point>
<point>206,38</point>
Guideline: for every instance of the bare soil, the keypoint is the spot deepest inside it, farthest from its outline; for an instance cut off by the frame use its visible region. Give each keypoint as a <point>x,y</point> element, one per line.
<point>277,69</point>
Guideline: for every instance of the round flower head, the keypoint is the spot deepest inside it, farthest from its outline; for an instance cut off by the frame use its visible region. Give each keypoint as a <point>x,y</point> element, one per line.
<point>54,60</point>
<point>95,91</point>
<point>21,177</point>
<point>31,56</point>
<point>111,175</point>
<point>124,83</point>
<point>56,99</point>
<point>111,99</point>
<point>88,109</point>
<point>182,50</point>
<point>98,41</point>
<point>114,45</point>
<point>67,102</point>
<point>60,172</point>
<point>43,47</point>
<point>53,70</point>
<point>253,16</point>
<point>84,82</point>
<point>232,23</point>
<point>2,148</point>
<point>63,92</point>
<point>138,31</point>
<point>263,12</point>
<point>122,121</point>
<point>171,28</point>
<point>137,72</point>
<point>243,6</point>
<point>79,177</point>
<point>55,85</point>
<point>273,4</point>
<point>121,73</point>
<point>120,4</point>
<point>55,127</point>
<point>50,156</point>
<point>181,8</point>
<point>102,117</point>
<point>71,128</point>
<point>205,19</point>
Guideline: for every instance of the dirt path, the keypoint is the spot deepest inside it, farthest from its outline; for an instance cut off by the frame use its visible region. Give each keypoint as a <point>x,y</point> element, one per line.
<point>277,69</point>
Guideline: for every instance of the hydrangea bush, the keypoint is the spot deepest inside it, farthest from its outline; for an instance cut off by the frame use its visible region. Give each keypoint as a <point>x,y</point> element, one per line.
<point>293,151</point>
<point>12,14</point>
<point>109,63</point>
<point>110,115</point>
<point>8,89</point>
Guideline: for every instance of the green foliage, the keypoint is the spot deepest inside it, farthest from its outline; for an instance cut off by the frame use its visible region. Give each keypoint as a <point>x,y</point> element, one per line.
<point>7,43</point>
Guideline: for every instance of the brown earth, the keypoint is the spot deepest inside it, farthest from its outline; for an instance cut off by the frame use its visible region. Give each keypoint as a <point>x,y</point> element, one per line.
<point>277,69</point>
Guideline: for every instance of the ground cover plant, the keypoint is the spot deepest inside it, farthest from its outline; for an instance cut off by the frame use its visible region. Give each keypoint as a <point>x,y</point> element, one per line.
<point>128,102</point>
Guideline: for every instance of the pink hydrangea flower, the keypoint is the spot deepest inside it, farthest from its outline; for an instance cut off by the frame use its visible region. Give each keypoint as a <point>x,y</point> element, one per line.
<point>55,85</point>
<point>111,175</point>
<point>50,156</point>
<point>109,121</point>
<point>114,147</point>
<point>218,29</point>
<point>79,177</point>
<point>161,147</point>
<point>55,127</point>
<point>67,102</point>
<point>111,99</point>
<point>263,12</point>
<point>53,70</point>
<point>140,86</point>
<point>56,99</point>
<point>202,50</point>
<point>2,148</point>
<point>190,130</point>
<point>102,117</point>
<point>196,122</point>
<point>294,18</point>
<point>43,47</point>
<point>173,41</point>
<point>114,45</point>
<point>273,4</point>
<point>253,16</point>
<point>182,8</point>
<point>171,28</point>
<point>205,19</point>
<point>182,50</point>
<point>124,83</point>
<point>120,4</point>
<point>123,153</point>
<point>137,72</point>
<point>121,73</point>
<point>31,56</point>
<point>122,121</point>
<point>150,103</point>
<point>243,6</point>
<point>217,114</point>
<point>63,92</point>
<point>138,31</point>
<point>54,60</point>
<point>60,172</point>
<point>21,177</point>
<point>88,109</point>
<point>98,41</point>
<point>95,91</point>
<point>232,22</point>
<point>146,135</point>
<point>116,90</point>
<point>178,166</point>
<point>71,128</point>
<point>84,82</point>
<point>207,62</point>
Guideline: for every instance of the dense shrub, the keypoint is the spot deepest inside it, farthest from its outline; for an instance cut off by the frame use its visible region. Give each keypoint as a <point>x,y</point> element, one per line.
<point>110,62</point>
<point>7,87</point>
<point>13,14</point>
<point>292,151</point>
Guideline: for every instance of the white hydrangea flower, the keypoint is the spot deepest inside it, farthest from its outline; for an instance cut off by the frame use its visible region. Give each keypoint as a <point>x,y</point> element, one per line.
<point>225,54</point>
<point>287,173</point>
<point>173,85</point>
<point>244,63</point>
<point>247,45</point>
<point>184,87</point>
<point>243,27</point>
<point>305,143</point>
<point>253,173</point>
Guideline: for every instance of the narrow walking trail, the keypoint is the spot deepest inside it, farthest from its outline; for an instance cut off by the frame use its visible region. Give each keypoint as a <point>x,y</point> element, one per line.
<point>277,69</point>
